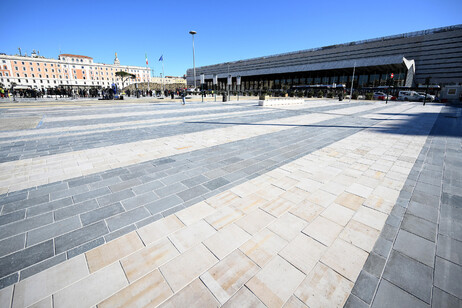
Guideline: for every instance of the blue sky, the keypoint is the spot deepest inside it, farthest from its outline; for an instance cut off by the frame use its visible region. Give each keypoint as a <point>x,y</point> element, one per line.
<point>227,30</point>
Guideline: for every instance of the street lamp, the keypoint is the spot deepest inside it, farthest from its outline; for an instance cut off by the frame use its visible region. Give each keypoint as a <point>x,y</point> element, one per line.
<point>194,60</point>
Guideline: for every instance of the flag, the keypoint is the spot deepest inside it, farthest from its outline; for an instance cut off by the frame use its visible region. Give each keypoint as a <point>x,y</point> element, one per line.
<point>161,58</point>
<point>146,55</point>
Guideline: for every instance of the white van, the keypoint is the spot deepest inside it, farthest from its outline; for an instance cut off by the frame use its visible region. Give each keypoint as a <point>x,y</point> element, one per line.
<point>410,96</point>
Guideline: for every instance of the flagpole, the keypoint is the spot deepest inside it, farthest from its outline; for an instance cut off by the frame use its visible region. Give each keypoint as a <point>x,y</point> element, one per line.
<point>163,73</point>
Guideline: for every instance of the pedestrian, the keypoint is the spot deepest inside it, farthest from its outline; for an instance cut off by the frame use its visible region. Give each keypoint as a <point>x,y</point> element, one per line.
<point>183,98</point>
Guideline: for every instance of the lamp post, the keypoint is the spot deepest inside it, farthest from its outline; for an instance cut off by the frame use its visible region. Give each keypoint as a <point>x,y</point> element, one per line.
<point>194,60</point>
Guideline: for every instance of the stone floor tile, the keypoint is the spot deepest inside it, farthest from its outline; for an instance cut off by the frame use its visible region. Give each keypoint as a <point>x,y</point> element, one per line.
<point>415,247</point>
<point>92,289</point>
<point>420,227</point>
<point>307,211</point>
<point>303,252</point>
<point>150,290</point>
<point>195,213</point>
<point>254,221</point>
<point>354,302</point>
<point>6,296</point>
<point>194,295</point>
<point>278,206</point>
<point>229,275</point>
<point>344,258</point>
<point>244,299</point>
<point>350,201</point>
<point>359,190</point>
<point>44,303</point>
<point>370,217</point>
<point>288,226</point>
<point>249,203</point>
<point>323,287</point>
<point>148,259</point>
<point>449,249</point>
<point>115,250</point>
<point>448,277</point>
<point>224,216</point>
<point>222,199</point>
<point>322,198</point>
<point>323,230</point>
<point>360,235</point>
<point>379,204</point>
<point>365,286</point>
<point>47,282</point>
<point>188,266</point>
<point>226,240</point>
<point>338,214</point>
<point>276,282</point>
<point>192,235</point>
<point>386,193</point>
<point>263,246</point>
<point>445,300</point>
<point>389,295</point>
<point>160,228</point>
<point>294,302</point>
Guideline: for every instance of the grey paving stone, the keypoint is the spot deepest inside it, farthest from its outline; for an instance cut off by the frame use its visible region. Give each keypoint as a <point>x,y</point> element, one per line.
<point>12,244</point>
<point>172,210</point>
<point>389,295</point>
<point>428,188</point>
<point>451,199</point>
<point>124,185</point>
<point>116,234</point>
<point>101,213</point>
<point>12,217</point>
<point>85,247</point>
<point>389,232</point>
<point>127,218</point>
<point>451,228</point>
<point>26,257</point>
<point>80,236</point>
<point>68,192</point>
<point>442,299</point>
<point>415,247</point>
<point>48,207</point>
<point>92,194</point>
<point>191,182</point>
<point>192,193</point>
<point>52,230</point>
<point>9,280</point>
<point>148,220</point>
<point>147,187</point>
<point>382,247</point>
<point>75,209</point>
<point>23,204</point>
<point>4,199</point>
<point>410,275</point>
<point>393,220</point>
<point>427,212</point>
<point>355,302</point>
<point>170,190</point>
<point>420,227</point>
<point>25,225</point>
<point>132,175</point>
<point>374,264</point>
<point>216,183</point>
<point>104,183</point>
<point>46,189</point>
<point>448,277</point>
<point>84,180</point>
<point>139,200</point>
<point>449,249</point>
<point>424,198</point>
<point>365,286</point>
<point>161,205</point>
<point>115,197</point>
<point>114,173</point>
<point>37,268</point>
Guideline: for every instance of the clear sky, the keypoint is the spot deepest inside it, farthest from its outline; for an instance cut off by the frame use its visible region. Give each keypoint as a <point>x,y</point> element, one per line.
<point>226,30</point>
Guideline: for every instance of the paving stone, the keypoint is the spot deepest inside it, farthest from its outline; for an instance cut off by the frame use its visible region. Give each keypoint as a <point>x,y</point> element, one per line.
<point>427,212</point>
<point>148,220</point>
<point>23,204</point>
<point>382,247</point>
<point>163,204</point>
<point>48,207</point>
<point>147,187</point>
<point>415,247</point>
<point>12,244</point>
<point>39,267</point>
<point>263,246</point>
<point>448,276</point>
<point>195,181</point>
<point>354,302</point>
<point>226,240</point>
<point>197,291</point>
<point>91,194</point>
<point>360,235</point>
<point>101,213</point>
<point>139,200</point>
<point>75,209</point>
<point>6,296</point>
<point>52,230</point>
<point>158,229</point>
<point>127,218</point>
<point>70,192</point>
<point>115,197</point>
<point>389,232</point>
<point>365,286</point>
<point>193,192</point>
<point>172,210</point>
<point>84,180</point>
<point>444,300</point>
<point>303,252</point>
<point>192,235</point>
<point>255,221</point>
<point>451,228</point>
<point>448,249</point>
<point>420,227</point>
<point>370,217</point>
<point>288,226</point>
<point>323,230</point>
<point>46,189</point>
<point>25,225</point>
<point>13,198</point>
<point>12,217</point>
<point>410,275</point>
<point>223,217</point>
<point>195,212</point>
<point>84,248</point>
<point>80,236</point>
<point>389,295</point>
<point>9,280</point>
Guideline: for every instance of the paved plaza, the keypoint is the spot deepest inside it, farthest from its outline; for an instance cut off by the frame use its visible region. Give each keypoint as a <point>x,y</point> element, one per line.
<point>140,203</point>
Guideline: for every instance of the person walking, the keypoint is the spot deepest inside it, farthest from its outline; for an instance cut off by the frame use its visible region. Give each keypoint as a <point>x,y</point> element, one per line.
<point>183,98</point>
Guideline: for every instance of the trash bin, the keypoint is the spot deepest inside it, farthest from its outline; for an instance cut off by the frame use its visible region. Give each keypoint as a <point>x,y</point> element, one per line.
<point>225,97</point>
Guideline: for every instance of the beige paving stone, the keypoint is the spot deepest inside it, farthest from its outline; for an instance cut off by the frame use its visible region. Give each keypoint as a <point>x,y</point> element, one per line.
<point>47,282</point>
<point>255,221</point>
<point>150,290</point>
<point>263,246</point>
<point>244,190</point>
<point>223,217</point>
<point>346,259</point>
<point>276,282</point>
<point>344,179</point>
<point>288,226</point>
<point>309,185</point>
<point>386,193</point>
<point>294,302</point>
<point>333,188</point>
<point>359,190</point>
<point>278,206</point>
<point>285,183</point>
<point>270,192</point>
<point>360,235</point>
<point>226,240</point>
<point>379,204</point>
<point>222,199</point>
<point>192,235</point>
<point>349,200</point>
<point>307,211</point>
<point>195,213</point>
<point>44,303</point>
<point>92,289</point>
<point>108,253</point>
<point>295,195</point>
<point>323,230</point>
<point>244,299</point>
<point>370,217</point>
<point>194,295</point>
<point>230,274</point>
<point>249,203</point>
<point>321,197</point>
<point>6,296</point>
<point>323,287</point>
<point>147,259</point>
<point>338,214</point>
<point>188,266</point>
<point>303,252</point>
<point>158,229</point>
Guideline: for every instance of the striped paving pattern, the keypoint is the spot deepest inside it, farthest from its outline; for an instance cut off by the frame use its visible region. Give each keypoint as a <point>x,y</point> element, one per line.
<point>200,201</point>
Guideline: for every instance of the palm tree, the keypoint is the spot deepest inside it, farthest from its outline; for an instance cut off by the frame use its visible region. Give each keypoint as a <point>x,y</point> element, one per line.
<point>124,76</point>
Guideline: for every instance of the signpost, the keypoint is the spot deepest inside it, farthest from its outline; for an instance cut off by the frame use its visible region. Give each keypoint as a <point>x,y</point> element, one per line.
<point>202,86</point>
<point>389,85</point>
<point>215,82</point>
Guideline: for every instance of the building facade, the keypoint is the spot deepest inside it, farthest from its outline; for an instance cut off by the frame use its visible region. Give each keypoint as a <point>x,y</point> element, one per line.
<point>69,71</point>
<point>411,57</point>
<point>169,80</point>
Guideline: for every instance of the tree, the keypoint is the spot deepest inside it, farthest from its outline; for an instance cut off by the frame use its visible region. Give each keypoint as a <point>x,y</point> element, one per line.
<point>124,76</point>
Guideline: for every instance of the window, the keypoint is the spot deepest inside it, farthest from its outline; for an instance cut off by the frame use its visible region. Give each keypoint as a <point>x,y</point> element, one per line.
<point>39,69</point>
<point>25,75</point>
<point>33,76</point>
<point>1,74</point>
<point>22,63</point>
<point>27,81</point>
<point>45,64</point>
<point>54,76</point>
<point>52,70</point>
<point>23,68</point>
<point>17,74</point>
<point>48,77</point>
<point>16,68</point>
<point>19,80</point>
<point>15,62</point>
<point>46,70</point>
<point>51,64</point>
<point>4,67</point>
<point>31,69</point>
<point>40,75</point>
<point>4,61</point>
<point>30,63</point>
<point>6,74</point>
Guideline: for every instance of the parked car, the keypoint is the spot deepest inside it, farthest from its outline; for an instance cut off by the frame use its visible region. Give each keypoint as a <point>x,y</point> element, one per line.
<point>383,96</point>
<point>412,96</point>
<point>430,98</point>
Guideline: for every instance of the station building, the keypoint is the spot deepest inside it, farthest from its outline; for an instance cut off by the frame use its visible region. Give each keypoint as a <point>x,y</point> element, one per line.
<point>68,71</point>
<point>411,57</point>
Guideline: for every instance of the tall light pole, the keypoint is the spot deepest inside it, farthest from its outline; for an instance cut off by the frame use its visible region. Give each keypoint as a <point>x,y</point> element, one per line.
<point>194,60</point>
